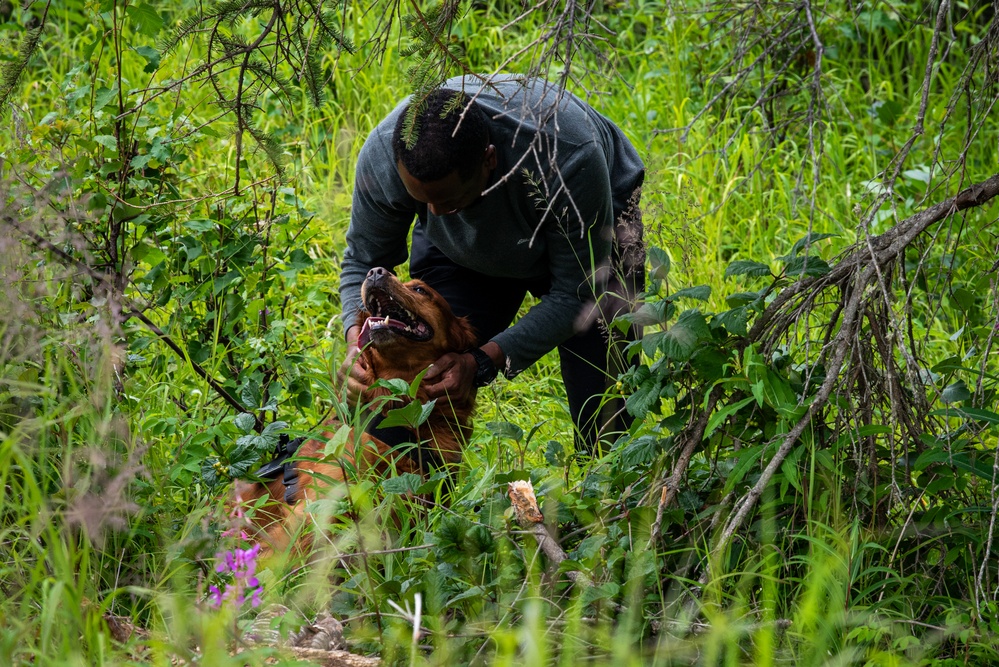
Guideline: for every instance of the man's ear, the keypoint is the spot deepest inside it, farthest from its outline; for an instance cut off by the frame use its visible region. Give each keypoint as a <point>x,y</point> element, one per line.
<point>490,158</point>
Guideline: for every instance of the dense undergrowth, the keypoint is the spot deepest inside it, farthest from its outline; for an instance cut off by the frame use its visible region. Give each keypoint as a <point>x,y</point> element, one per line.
<point>811,476</point>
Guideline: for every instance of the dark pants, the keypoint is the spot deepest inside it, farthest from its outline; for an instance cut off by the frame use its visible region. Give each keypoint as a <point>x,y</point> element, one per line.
<point>591,360</point>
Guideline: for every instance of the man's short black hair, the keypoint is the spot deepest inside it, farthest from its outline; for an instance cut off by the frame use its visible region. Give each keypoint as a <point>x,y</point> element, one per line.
<point>438,148</point>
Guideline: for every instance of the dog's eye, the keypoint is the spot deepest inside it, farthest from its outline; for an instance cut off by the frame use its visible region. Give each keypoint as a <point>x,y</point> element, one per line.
<point>419,290</point>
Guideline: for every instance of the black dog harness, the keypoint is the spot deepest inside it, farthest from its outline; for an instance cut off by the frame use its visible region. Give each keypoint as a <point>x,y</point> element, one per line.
<point>280,465</point>
<point>286,448</point>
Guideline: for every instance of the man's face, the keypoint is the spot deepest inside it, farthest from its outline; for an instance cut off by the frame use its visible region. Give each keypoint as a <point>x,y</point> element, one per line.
<point>449,194</point>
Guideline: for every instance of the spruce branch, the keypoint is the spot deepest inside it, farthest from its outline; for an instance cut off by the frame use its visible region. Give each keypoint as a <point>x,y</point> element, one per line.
<point>12,71</point>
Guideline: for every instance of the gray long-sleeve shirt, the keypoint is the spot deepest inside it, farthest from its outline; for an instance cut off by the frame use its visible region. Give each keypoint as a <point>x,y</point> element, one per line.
<point>563,171</point>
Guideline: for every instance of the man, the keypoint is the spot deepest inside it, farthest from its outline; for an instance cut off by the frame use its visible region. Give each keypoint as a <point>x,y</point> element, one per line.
<point>516,187</point>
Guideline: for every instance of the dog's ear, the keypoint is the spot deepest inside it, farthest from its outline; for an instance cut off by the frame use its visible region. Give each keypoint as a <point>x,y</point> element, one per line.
<point>462,334</point>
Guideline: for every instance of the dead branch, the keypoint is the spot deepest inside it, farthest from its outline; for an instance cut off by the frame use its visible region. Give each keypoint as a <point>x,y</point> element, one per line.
<point>877,250</point>
<point>853,275</point>
<point>671,485</point>
<point>525,507</point>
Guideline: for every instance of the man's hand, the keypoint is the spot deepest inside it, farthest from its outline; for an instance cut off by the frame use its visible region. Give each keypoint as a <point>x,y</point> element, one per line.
<point>353,373</point>
<point>453,375</point>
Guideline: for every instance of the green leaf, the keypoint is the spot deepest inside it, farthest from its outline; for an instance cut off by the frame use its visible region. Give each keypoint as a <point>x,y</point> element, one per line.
<point>700,292</point>
<point>645,398</point>
<point>650,343</point>
<point>733,320</point>
<point>209,475</point>
<point>806,241</point>
<point>103,96</point>
<point>955,393</point>
<point>742,298</point>
<point>747,458</point>
<point>200,225</point>
<point>79,93</point>
<point>225,281</point>
<point>410,415</point>
<point>652,313</point>
<point>720,416</point>
<point>250,447</point>
<point>397,386</point>
<point>107,140</point>
<point>960,460</point>
<point>139,162</point>
<point>405,483</point>
<point>250,394</point>
<point>433,482</point>
<point>334,447</point>
<point>245,422</point>
<point>659,263</point>
<point>604,591</point>
<point>922,175</point>
<point>151,56</point>
<point>681,339</point>
<point>274,428</point>
<point>807,265</point>
<point>745,267</point>
<point>469,594</point>
<point>512,476</point>
<point>145,19</point>
<point>555,454</point>
<point>641,451</point>
<point>888,112</point>
<point>789,467</point>
<point>299,259</point>
<point>978,414</point>
<point>506,430</point>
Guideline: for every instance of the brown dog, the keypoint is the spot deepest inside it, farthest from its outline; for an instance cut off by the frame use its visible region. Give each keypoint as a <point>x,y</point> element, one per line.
<point>406,328</point>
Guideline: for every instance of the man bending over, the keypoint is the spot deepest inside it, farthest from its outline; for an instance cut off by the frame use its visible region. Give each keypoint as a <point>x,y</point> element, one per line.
<point>516,187</point>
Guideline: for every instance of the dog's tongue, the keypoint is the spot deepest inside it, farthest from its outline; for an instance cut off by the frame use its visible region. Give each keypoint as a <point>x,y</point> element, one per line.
<point>364,337</point>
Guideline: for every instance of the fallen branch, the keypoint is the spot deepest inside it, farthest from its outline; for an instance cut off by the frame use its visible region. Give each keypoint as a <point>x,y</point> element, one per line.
<point>853,274</point>
<point>879,249</point>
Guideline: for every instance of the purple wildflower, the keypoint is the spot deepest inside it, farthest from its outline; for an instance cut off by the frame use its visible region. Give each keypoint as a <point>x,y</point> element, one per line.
<point>242,565</point>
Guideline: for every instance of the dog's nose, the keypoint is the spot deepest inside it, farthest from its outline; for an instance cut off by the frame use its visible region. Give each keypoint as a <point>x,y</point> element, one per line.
<point>377,272</point>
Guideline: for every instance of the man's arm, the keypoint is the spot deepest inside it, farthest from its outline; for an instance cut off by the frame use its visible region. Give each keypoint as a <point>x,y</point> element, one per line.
<point>579,244</point>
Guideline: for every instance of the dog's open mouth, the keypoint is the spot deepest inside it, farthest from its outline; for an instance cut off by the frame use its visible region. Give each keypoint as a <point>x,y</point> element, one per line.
<point>388,315</point>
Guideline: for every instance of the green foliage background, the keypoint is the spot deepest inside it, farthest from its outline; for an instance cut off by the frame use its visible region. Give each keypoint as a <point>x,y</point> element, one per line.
<point>176,184</point>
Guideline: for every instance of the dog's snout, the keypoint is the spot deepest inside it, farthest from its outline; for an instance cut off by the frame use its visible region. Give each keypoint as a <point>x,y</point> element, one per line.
<point>378,273</point>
